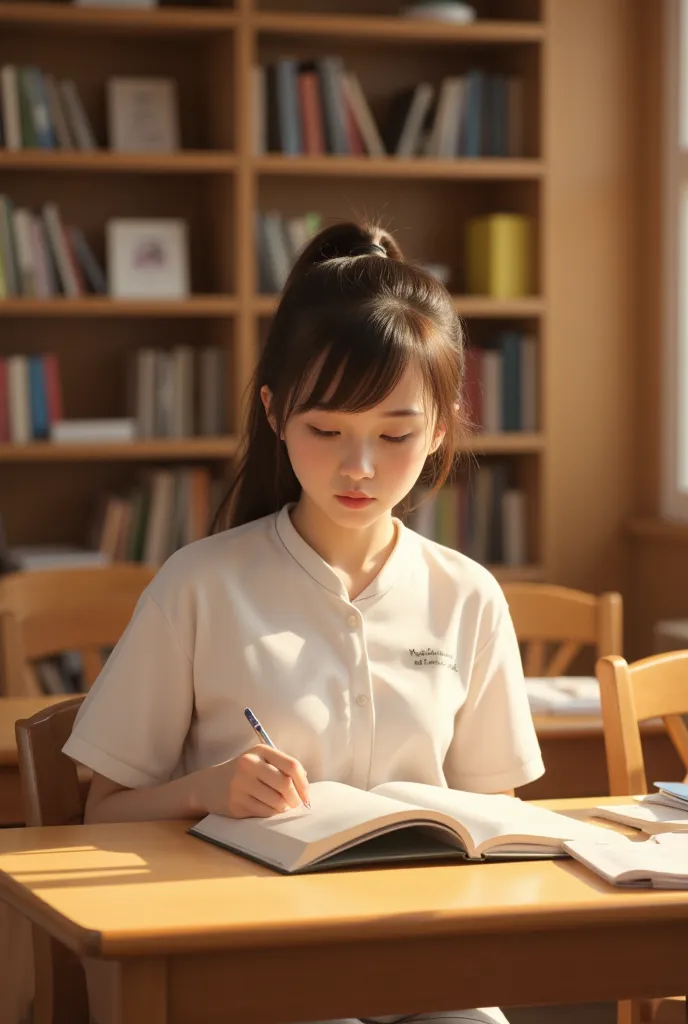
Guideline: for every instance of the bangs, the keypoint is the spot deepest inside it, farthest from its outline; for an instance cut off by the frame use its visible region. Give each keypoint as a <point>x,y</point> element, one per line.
<point>363,362</point>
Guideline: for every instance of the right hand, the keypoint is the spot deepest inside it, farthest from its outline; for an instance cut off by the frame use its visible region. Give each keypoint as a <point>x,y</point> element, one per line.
<point>257,784</point>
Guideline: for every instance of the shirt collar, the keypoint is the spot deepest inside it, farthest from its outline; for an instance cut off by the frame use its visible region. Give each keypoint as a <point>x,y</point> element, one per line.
<point>323,573</point>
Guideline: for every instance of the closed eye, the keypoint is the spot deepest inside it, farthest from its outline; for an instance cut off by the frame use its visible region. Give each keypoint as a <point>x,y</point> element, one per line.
<point>322,433</point>
<point>396,440</point>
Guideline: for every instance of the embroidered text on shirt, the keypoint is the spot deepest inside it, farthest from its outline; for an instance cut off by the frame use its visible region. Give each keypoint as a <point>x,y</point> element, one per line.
<point>432,656</point>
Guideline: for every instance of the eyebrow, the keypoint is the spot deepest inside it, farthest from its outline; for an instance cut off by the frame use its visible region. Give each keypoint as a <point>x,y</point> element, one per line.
<point>385,415</point>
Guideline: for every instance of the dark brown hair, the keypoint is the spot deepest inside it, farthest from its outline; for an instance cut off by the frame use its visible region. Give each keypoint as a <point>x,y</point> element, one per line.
<point>350,321</point>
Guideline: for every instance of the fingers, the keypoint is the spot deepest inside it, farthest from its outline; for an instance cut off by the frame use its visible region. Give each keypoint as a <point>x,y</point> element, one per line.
<point>280,783</point>
<point>288,766</point>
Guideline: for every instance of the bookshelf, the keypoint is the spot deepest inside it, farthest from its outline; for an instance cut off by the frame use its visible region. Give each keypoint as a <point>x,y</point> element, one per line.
<point>217,182</point>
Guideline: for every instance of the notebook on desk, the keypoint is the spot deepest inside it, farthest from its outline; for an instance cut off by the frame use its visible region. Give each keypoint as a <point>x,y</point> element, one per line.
<point>393,822</point>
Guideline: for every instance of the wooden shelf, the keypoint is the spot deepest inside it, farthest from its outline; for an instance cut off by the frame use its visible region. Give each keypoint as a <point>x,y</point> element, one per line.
<point>183,162</point>
<point>515,442</point>
<point>391,30</point>
<point>468,306</point>
<point>102,306</point>
<point>158,21</point>
<point>163,450</point>
<point>480,169</point>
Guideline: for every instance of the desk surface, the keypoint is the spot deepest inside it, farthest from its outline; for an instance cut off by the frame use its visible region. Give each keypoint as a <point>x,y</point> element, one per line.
<point>11,710</point>
<point>149,888</point>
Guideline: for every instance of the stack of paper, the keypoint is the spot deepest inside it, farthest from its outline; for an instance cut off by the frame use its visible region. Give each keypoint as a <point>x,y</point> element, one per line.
<point>659,863</point>
<point>564,695</point>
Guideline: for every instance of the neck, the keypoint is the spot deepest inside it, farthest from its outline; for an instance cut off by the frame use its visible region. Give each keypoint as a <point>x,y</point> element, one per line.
<point>352,552</point>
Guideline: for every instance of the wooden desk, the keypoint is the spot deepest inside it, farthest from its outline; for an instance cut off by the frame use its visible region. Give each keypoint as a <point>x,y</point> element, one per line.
<point>11,710</point>
<point>175,930</point>
<point>575,761</point>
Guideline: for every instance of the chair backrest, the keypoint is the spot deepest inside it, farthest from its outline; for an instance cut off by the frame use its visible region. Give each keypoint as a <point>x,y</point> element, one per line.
<point>53,795</point>
<point>554,624</point>
<point>47,612</point>
<point>654,687</point>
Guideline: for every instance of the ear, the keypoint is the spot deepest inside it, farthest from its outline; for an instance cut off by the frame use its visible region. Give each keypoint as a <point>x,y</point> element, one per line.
<point>266,399</point>
<point>438,438</point>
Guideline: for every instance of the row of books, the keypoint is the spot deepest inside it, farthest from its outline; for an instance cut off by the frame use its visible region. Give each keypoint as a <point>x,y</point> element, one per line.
<point>166,510</point>
<point>318,106</point>
<point>501,383</point>
<point>41,256</point>
<point>38,110</point>
<point>279,240</point>
<point>30,397</point>
<point>181,392</point>
<point>312,107</point>
<point>471,115</point>
<point>485,517</point>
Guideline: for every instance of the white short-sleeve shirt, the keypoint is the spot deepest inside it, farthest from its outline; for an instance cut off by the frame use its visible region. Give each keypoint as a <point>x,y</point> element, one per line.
<point>418,678</point>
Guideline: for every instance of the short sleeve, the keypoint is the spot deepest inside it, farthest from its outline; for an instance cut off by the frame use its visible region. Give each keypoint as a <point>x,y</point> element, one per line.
<point>132,725</point>
<point>494,745</point>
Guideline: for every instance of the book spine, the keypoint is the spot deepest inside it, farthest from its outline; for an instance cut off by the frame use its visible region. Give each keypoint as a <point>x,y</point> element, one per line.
<point>11,113</point>
<point>38,399</point>
<point>53,388</point>
<point>288,114</point>
<point>4,403</point>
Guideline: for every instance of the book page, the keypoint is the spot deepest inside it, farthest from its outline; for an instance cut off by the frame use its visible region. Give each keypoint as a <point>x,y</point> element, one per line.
<point>494,821</point>
<point>339,815</point>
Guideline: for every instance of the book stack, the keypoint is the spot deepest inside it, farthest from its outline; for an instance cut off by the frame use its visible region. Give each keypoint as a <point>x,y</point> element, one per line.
<point>471,115</point>
<point>499,255</point>
<point>279,240</point>
<point>166,510</point>
<point>30,397</point>
<point>41,256</point>
<point>485,517</point>
<point>312,107</point>
<point>37,110</point>
<point>181,392</point>
<point>501,383</point>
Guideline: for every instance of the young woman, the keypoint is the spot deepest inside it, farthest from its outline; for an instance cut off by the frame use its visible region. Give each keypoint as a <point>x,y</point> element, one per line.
<point>369,653</point>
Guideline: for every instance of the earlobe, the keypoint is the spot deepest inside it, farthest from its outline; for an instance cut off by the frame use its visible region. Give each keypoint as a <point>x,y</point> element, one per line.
<point>437,441</point>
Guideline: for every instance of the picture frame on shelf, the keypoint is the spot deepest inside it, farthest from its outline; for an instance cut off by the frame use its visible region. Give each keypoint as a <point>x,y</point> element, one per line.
<point>147,258</point>
<point>143,115</point>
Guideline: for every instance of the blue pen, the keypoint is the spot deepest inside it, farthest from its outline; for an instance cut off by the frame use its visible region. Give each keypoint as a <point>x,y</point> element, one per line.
<point>255,724</point>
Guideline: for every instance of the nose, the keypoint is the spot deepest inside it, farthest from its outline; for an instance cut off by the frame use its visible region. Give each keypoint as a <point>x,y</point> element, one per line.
<point>357,462</point>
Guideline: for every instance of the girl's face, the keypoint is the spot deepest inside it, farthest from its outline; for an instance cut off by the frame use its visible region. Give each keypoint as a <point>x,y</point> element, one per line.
<point>356,466</point>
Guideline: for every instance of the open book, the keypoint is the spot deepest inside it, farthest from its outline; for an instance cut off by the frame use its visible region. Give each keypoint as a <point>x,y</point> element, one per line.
<point>395,821</point>
<point>651,818</point>
<point>659,863</point>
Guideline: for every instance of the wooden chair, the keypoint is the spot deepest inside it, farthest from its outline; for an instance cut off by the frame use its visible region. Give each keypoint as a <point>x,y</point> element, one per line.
<point>655,687</point>
<point>565,620</point>
<point>47,612</point>
<point>53,795</point>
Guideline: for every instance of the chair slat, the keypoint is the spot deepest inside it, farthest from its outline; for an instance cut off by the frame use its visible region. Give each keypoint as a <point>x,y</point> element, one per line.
<point>562,658</point>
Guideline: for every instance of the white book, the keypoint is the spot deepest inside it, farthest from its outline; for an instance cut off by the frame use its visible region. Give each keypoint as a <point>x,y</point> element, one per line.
<point>658,863</point>
<point>514,527</point>
<point>492,381</point>
<point>278,252</point>
<point>18,399</point>
<point>649,818</point>
<point>23,238</point>
<point>563,695</point>
<point>363,115</point>
<point>11,117</point>
<point>411,135</point>
<point>529,384</point>
<point>33,557</point>
<point>395,821</point>
<point>93,431</point>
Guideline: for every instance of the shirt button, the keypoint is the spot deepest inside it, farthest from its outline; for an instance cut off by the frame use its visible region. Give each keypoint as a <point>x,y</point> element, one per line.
<point>361,700</point>
<point>352,622</point>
